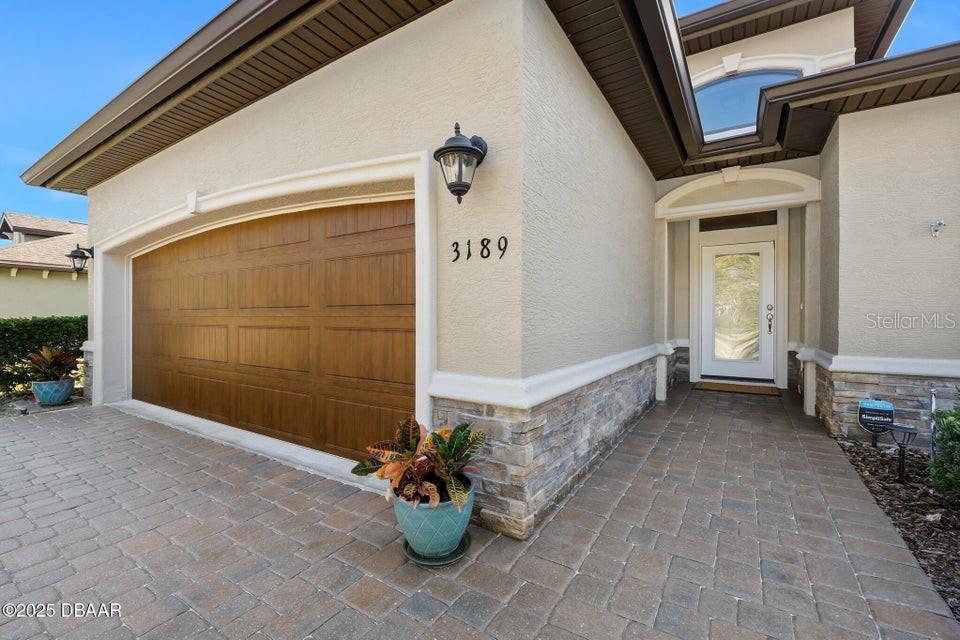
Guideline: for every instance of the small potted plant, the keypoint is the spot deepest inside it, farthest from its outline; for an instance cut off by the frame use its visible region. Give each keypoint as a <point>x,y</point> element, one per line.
<point>52,368</point>
<point>428,467</point>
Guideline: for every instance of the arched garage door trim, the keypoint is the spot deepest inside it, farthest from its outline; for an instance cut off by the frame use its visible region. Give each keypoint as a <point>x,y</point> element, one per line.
<point>113,364</point>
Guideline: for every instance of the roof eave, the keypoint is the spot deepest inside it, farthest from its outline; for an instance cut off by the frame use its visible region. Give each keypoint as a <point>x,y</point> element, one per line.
<point>235,25</point>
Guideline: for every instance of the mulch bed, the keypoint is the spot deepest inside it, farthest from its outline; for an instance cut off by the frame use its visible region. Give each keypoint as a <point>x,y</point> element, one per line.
<point>928,520</point>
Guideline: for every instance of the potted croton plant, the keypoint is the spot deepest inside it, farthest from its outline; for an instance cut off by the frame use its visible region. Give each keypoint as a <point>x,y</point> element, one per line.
<point>52,368</point>
<point>432,496</point>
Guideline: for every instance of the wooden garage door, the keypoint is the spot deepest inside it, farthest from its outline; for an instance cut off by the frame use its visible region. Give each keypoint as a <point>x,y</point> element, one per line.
<point>299,326</point>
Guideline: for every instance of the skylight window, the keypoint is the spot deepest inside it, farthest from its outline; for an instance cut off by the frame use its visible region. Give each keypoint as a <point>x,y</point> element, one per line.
<point>728,107</point>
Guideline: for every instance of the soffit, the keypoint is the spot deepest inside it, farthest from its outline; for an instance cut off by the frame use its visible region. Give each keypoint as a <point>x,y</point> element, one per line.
<point>252,49</point>
<point>876,22</point>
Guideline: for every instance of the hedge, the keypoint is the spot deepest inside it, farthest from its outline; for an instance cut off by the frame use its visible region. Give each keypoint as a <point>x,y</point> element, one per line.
<point>20,336</point>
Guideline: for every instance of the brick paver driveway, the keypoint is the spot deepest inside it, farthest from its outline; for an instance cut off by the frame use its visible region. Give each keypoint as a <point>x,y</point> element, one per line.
<point>719,516</point>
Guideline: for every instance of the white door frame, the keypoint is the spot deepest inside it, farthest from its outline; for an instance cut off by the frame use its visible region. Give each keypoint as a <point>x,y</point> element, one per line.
<point>113,311</point>
<point>779,234</point>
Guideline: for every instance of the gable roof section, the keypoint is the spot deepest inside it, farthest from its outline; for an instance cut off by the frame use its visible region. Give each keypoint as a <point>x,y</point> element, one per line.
<point>253,48</point>
<point>11,221</point>
<point>876,22</point>
<point>49,253</point>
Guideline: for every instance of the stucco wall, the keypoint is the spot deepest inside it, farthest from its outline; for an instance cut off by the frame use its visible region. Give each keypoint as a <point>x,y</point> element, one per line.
<point>830,241</point>
<point>821,36</point>
<point>900,170</point>
<point>588,201</point>
<point>29,294</point>
<point>795,271</point>
<point>679,296</point>
<point>396,95</point>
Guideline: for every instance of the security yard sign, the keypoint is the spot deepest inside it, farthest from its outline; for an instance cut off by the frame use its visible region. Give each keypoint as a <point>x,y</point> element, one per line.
<point>876,416</point>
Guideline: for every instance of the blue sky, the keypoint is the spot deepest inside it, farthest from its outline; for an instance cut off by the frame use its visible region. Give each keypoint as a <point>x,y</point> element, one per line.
<point>64,59</point>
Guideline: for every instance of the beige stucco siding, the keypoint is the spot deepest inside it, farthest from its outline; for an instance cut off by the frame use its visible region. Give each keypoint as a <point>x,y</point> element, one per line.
<point>397,95</point>
<point>588,201</point>
<point>29,294</point>
<point>828,34</point>
<point>900,170</point>
<point>679,296</point>
<point>830,241</point>
<point>795,271</point>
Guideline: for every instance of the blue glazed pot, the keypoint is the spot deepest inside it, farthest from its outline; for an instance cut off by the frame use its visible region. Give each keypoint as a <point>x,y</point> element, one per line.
<point>53,392</point>
<point>433,533</point>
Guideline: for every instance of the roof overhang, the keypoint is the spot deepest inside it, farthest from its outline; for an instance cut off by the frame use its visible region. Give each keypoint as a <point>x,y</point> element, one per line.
<point>876,22</point>
<point>251,49</point>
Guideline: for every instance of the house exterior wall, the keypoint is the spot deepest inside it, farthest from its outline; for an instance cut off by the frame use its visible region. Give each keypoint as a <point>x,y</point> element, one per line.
<point>328,118</point>
<point>679,296</point>
<point>821,36</point>
<point>587,211</point>
<point>900,170</point>
<point>28,294</point>
<point>830,242</point>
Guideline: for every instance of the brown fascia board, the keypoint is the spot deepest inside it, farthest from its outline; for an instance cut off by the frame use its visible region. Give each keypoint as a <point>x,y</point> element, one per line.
<point>662,36</point>
<point>229,31</point>
<point>869,76</point>
<point>891,27</point>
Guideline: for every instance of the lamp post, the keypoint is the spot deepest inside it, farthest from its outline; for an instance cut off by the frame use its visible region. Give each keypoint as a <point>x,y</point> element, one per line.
<point>79,257</point>
<point>459,158</point>
<point>903,435</point>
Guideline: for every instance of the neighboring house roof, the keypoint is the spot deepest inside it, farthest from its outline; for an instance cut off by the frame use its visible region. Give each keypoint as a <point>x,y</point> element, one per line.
<point>634,49</point>
<point>11,221</point>
<point>48,253</point>
<point>876,22</point>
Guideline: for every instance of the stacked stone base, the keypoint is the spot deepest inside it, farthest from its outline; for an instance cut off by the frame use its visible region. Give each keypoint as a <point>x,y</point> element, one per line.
<point>678,365</point>
<point>534,457</point>
<point>838,394</point>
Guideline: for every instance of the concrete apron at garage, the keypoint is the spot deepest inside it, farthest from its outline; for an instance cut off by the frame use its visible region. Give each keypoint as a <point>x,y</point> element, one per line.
<point>719,515</point>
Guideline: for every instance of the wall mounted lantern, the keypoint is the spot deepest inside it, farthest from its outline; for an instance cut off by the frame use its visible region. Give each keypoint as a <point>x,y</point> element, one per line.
<point>459,158</point>
<point>79,257</point>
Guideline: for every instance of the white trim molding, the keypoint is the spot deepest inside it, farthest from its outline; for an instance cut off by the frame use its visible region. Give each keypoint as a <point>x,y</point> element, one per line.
<point>926,367</point>
<point>526,393</point>
<point>113,297</point>
<point>680,343</point>
<point>794,189</point>
<point>806,64</point>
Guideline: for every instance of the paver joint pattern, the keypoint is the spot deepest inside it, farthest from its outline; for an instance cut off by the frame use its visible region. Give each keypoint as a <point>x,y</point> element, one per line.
<point>718,516</point>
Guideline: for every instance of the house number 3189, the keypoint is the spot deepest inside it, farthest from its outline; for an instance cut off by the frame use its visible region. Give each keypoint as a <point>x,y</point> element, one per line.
<point>466,250</point>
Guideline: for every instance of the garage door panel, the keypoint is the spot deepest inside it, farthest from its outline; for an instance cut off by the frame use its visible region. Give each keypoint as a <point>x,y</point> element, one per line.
<point>351,426</point>
<point>280,413</point>
<point>212,244</point>
<point>153,295</point>
<point>267,324</point>
<point>278,231</point>
<point>371,280</point>
<point>205,396</point>
<point>204,291</point>
<point>202,342</point>
<point>281,286</point>
<point>155,340</point>
<point>361,219</point>
<point>153,385</point>
<point>283,348</point>
<point>369,354</point>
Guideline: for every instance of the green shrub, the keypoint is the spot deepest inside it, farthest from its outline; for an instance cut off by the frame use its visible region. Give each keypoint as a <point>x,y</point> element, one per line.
<point>945,465</point>
<point>21,336</point>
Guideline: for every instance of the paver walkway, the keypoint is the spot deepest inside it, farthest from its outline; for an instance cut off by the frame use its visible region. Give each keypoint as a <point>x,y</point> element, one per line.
<point>719,515</point>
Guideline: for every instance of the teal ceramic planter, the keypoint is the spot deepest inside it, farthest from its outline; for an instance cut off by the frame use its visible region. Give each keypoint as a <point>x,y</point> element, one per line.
<point>433,533</point>
<point>53,392</point>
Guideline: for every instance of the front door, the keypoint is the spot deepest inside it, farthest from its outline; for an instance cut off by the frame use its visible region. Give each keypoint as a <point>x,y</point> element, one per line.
<point>738,295</point>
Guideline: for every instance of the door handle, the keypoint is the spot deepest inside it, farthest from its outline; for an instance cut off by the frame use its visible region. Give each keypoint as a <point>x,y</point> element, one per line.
<point>769,323</point>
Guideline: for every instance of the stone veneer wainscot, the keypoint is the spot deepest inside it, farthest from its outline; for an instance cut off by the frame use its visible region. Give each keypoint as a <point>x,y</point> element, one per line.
<point>535,456</point>
<point>838,394</point>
